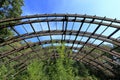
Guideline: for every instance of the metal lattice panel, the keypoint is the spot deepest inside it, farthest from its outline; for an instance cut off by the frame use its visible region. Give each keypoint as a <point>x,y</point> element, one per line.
<point>77,32</point>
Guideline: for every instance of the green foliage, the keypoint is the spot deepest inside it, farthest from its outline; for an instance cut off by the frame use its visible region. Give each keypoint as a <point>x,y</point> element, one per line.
<point>35,70</point>
<point>60,68</point>
<point>9,9</point>
<point>45,66</point>
<point>52,69</point>
<point>3,71</point>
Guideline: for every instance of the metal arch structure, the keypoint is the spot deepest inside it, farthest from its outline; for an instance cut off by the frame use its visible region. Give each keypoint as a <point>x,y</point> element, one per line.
<point>77,31</point>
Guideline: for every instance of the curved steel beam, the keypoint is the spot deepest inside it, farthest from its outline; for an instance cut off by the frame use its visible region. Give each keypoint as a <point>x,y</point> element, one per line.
<point>99,21</point>
<point>93,59</point>
<point>61,16</point>
<point>82,51</point>
<point>97,65</point>
<point>60,32</point>
<point>71,41</point>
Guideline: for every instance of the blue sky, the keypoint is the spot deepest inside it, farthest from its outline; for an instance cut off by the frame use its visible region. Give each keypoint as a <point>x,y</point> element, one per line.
<point>108,8</point>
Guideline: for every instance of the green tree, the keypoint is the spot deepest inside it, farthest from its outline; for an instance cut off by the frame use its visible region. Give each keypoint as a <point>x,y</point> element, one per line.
<point>49,67</point>
<point>53,68</point>
<point>9,9</point>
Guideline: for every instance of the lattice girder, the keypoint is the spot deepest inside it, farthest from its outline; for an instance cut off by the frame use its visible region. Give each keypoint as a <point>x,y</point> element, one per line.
<point>78,35</point>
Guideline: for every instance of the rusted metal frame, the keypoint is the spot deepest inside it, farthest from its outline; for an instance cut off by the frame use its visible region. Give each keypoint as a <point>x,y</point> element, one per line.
<point>38,50</point>
<point>108,36</point>
<point>56,23</point>
<point>72,28</point>
<point>66,24</point>
<point>18,38</point>
<point>19,35</point>
<point>25,29</point>
<point>70,20</point>
<point>21,70</point>
<point>18,57</point>
<point>36,36</point>
<point>84,34</point>
<point>94,58</point>
<point>78,31</point>
<point>57,15</point>
<point>111,60</point>
<point>12,51</point>
<point>21,63</point>
<point>100,67</point>
<point>49,32</point>
<point>97,65</point>
<point>50,35</point>
<point>90,37</point>
<point>115,48</point>
<point>106,71</point>
<point>61,19</point>
<point>19,49</point>
<point>62,30</point>
<point>35,32</point>
<point>41,26</point>
<point>42,31</point>
<point>85,63</point>
<point>90,58</point>
<point>98,36</point>
<point>93,45</point>
<point>47,41</point>
<point>26,62</point>
<point>97,56</point>
<point>23,39</point>
<point>25,65</point>
<point>112,35</point>
<point>22,66</point>
<point>25,54</point>
<point>13,48</point>
<point>106,66</point>
<point>91,50</point>
<point>106,59</point>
